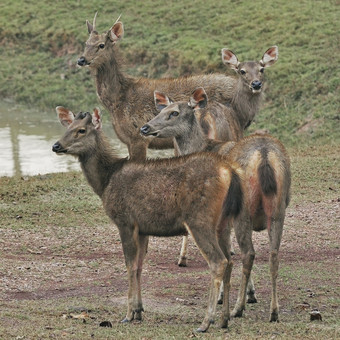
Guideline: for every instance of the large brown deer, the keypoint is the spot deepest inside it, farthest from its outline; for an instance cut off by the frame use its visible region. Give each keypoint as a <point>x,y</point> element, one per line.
<point>191,136</point>
<point>197,193</point>
<point>130,100</point>
<point>267,178</point>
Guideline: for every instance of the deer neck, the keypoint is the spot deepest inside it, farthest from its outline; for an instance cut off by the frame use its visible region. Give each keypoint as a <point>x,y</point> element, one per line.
<point>192,140</point>
<point>111,83</point>
<point>245,104</point>
<point>99,164</point>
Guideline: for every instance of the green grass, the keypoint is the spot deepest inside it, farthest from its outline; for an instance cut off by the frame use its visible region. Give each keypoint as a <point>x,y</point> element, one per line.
<point>40,43</point>
<point>24,199</point>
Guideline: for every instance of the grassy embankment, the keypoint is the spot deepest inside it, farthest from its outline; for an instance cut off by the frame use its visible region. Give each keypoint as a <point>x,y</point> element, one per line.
<point>40,44</point>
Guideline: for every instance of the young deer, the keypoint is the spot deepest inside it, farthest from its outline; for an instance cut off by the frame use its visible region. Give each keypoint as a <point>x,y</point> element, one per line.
<point>197,193</point>
<point>248,90</point>
<point>246,99</point>
<point>189,136</point>
<point>266,180</point>
<point>130,100</point>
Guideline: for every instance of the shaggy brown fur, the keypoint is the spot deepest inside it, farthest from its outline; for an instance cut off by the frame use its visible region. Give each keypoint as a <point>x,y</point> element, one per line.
<point>196,193</point>
<point>266,181</point>
<point>130,100</point>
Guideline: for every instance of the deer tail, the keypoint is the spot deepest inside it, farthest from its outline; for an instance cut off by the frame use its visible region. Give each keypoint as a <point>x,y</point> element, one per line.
<point>233,201</point>
<point>266,175</point>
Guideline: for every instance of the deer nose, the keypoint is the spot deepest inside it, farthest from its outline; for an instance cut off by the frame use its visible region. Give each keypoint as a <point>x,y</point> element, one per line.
<point>56,147</point>
<point>144,130</point>
<point>256,85</point>
<point>81,61</point>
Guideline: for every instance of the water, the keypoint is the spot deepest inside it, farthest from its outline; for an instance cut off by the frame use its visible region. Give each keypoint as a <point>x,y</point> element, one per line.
<point>27,136</point>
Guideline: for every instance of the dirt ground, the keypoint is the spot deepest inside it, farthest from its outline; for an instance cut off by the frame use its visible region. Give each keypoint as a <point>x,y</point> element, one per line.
<point>84,262</point>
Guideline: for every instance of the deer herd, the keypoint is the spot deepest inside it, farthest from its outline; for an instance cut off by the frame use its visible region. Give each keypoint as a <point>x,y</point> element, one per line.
<point>219,179</point>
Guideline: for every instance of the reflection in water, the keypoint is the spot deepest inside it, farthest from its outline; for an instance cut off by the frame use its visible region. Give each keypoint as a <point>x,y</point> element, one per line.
<point>7,163</point>
<point>36,156</point>
<point>27,136</point>
<point>26,139</point>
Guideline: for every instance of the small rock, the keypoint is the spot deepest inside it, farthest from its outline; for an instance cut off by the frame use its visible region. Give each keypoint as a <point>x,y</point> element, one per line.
<point>315,315</point>
<point>105,324</point>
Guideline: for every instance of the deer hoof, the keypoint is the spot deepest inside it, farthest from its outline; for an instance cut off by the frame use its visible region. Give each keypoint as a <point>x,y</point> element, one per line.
<point>182,262</point>
<point>204,326</point>
<point>224,323</point>
<point>274,317</point>
<point>200,330</point>
<point>237,313</point>
<point>252,299</point>
<point>220,299</point>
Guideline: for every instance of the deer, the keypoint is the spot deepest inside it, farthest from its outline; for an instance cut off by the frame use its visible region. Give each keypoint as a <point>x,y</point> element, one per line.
<point>197,193</point>
<point>246,99</point>
<point>194,134</point>
<point>267,178</point>
<point>248,91</point>
<point>130,100</point>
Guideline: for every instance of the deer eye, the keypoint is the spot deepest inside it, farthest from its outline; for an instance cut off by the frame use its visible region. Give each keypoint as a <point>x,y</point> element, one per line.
<point>173,114</point>
<point>262,69</point>
<point>101,45</point>
<point>242,71</point>
<point>81,131</point>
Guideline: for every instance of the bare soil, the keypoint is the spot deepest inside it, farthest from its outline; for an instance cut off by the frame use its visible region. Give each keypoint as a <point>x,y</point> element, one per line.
<point>83,262</point>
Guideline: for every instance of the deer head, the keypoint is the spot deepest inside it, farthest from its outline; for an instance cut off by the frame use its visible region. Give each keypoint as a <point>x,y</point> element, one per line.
<point>80,134</point>
<point>174,117</point>
<point>99,46</point>
<point>251,72</point>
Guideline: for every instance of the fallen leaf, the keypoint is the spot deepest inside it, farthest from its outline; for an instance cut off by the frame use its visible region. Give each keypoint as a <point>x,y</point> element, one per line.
<point>82,315</point>
<point>34,251</point>
<point>302,306</point>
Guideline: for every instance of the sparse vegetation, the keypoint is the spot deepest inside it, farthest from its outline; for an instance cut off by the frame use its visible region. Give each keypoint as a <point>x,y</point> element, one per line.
<point>61,255</point>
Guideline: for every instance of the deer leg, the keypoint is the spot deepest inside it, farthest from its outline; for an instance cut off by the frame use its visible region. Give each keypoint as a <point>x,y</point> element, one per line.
<point>143,246</point>
<point>182,262</point>
<point>243,231</point>
<point>251,297</point>
<point>224,240</point>
<point>232,249</point>
<point>226,243</point>
<point>134,253</point>
<point>206,241</point>
<point>275,234</point>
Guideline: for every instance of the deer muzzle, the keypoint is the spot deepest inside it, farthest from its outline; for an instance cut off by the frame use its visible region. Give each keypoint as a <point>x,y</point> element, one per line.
<point>82,61</point>
<point>146,130</point>
<point>256,85</point>
<point>57,148</point>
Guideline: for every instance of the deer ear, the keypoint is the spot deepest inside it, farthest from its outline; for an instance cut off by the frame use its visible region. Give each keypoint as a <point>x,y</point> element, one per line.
<point>116,32</point>
<point>270,56</point>
<point>229,58</point>
<point>198,99</point>
<point>96,119</point>
<point>66,117</point>
<point>161,100</point>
